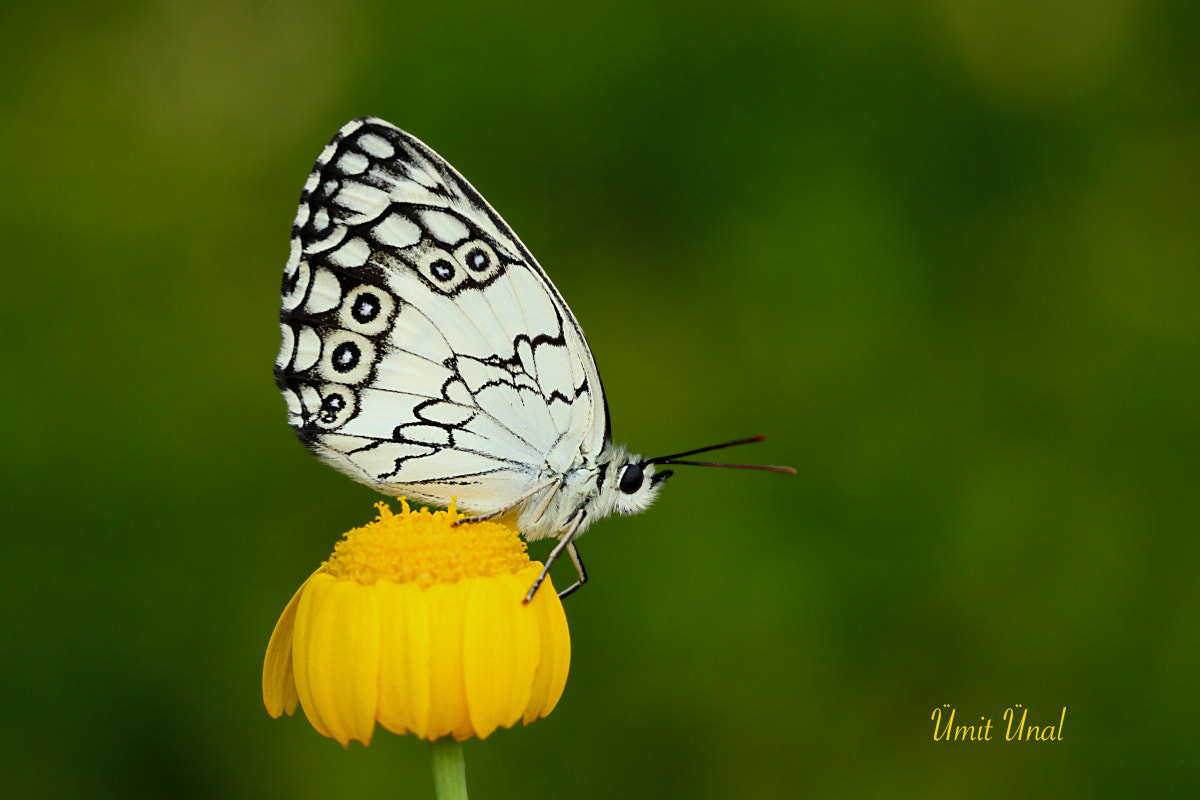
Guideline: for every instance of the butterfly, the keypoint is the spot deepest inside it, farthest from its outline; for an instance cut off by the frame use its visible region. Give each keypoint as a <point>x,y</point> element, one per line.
<point>426,353</point>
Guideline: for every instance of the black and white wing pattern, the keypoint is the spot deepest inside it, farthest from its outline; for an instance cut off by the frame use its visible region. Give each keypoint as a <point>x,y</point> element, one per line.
<point>426,353</point>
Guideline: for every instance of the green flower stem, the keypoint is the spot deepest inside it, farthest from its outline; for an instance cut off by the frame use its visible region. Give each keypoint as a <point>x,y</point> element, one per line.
<point>449,769</point>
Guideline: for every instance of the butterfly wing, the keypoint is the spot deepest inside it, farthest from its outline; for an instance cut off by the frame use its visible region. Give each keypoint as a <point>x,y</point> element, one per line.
<point>425,352</point>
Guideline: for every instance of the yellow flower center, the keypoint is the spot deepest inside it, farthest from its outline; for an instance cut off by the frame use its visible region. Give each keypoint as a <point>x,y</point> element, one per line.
<point>425,548</point>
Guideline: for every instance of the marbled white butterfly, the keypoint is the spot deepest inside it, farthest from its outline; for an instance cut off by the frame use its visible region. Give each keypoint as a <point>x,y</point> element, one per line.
<point>425,352</point>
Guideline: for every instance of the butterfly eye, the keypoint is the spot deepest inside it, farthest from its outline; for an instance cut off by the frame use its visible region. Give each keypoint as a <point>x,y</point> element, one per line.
<point>631,479</point>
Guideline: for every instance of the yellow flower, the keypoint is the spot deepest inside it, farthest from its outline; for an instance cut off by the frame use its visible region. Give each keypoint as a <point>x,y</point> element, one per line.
<point>420,626</point>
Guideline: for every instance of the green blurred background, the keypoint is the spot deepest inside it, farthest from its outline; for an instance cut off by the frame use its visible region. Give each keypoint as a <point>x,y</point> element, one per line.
<point>945,254</point>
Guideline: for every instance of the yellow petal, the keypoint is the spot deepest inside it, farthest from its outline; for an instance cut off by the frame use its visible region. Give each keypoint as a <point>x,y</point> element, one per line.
<point>500,652</point>
<point>447,699</point>
<point>278,683</point>
<point>404,658</point>
<point>555,658</point>
<point>336,657</point>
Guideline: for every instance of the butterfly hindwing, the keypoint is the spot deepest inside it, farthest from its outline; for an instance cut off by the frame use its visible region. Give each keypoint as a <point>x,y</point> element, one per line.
<point>424,351</point>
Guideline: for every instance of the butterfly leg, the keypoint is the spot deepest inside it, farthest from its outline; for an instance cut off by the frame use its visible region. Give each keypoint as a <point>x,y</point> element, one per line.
<point>573,551</point>
<point>480,518</point>
<point>565,542</point>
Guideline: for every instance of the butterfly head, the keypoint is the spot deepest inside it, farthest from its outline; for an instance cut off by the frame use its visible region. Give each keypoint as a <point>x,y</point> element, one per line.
<point>637,484</point>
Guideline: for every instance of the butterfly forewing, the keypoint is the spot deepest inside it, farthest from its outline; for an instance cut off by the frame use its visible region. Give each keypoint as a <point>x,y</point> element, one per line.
<point>424,351</point>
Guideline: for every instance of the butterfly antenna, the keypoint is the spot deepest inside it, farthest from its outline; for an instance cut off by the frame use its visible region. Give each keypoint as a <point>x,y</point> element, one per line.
<point>674,459</point>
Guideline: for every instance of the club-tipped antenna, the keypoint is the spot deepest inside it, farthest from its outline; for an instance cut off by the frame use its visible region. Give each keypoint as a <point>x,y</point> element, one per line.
<point>674,459</point>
